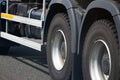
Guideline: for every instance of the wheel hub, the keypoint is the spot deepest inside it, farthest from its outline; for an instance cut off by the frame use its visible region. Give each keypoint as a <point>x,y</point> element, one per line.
<point>63,50</point>
<point>100,61</point>
<point>105,64</point>
<point>59,50</point>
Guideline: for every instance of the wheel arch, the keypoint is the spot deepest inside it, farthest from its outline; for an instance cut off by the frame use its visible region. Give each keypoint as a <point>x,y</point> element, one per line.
<point>99,10</point>
<point>53,10</point>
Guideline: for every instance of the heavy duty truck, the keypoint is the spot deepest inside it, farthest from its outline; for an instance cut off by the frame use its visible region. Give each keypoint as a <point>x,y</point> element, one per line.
<point>81,37</point>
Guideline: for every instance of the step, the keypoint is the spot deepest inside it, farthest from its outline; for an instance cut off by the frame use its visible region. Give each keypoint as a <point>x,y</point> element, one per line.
<point>29,42</point>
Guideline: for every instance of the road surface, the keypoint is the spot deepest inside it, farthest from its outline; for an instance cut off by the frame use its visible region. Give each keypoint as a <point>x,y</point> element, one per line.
<point>22,63</point>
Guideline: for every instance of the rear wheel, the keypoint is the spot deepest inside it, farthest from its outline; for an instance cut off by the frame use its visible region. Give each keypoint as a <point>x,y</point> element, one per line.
<point>59,48</point>
<point>100,60</point>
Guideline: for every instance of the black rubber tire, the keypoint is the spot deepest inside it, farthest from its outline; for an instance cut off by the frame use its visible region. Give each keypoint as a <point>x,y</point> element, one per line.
<point>4,50</point>
<point>60,21</point>
<point>104,30</point>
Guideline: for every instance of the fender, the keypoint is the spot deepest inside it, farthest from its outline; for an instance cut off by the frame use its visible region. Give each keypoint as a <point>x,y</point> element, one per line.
<point>67,3</point>
<point>113,7</point>
<point>70,7</point>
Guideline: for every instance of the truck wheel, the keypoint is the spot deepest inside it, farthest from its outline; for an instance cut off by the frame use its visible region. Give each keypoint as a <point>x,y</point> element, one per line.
<point>100,60</point>
<point>4,50</point>
<point>59,55</point>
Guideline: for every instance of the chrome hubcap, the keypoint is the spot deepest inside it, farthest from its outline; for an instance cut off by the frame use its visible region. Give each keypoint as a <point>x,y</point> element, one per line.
<point>100,61</point>
<point>59,50</point>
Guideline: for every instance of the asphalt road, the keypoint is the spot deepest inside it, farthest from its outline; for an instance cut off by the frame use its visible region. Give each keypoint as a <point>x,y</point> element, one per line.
<point>22,63</point>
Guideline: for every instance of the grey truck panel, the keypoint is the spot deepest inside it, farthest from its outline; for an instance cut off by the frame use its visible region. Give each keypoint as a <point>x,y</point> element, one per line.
<point>67,3</point>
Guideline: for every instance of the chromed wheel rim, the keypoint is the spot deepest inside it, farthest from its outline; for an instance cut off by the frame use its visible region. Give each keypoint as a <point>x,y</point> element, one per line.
<point>59,50</point>
<point>100,61</point>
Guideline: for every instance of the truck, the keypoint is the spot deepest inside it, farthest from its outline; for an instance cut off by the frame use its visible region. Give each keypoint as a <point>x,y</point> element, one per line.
<point>81,38</point>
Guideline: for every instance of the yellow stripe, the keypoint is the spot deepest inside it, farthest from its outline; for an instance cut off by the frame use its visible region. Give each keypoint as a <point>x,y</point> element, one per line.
<point>8,16</point>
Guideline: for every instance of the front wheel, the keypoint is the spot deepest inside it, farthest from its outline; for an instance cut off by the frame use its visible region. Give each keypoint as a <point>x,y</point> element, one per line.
<point>100,60</point>
<point>59,55</point>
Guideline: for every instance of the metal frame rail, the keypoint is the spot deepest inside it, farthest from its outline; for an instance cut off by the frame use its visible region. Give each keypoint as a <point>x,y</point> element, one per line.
<point>25,20</point>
